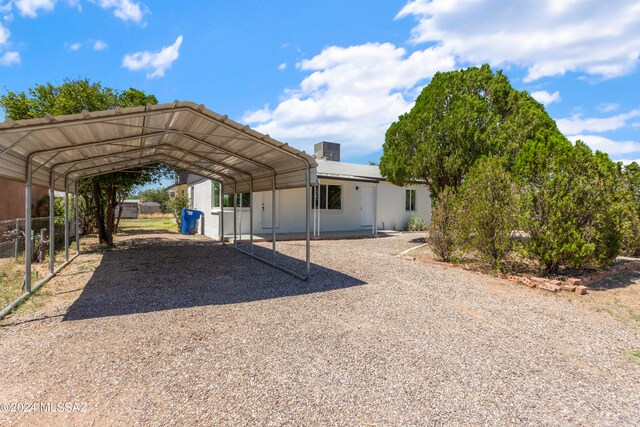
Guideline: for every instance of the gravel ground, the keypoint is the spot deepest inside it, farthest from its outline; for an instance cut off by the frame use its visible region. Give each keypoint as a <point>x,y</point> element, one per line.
<point>174,330</point>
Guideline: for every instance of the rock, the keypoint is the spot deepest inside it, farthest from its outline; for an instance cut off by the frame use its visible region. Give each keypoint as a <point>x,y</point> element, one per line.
<point>513,278</point>
<point>555,282</point>
<point>527,282</point>
<point>549,287</point>
<point>568,287</point>
<point>538,279</point>
<point>574,281</point>
<point>581,290</point>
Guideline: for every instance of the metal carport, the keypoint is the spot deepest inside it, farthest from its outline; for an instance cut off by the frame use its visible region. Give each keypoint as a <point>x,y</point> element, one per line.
<point>58,151</point>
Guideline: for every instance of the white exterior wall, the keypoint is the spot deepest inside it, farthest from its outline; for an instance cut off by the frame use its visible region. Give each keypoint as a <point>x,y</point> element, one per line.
<point>391,205</point>
<point>202,192</point>
<point>389,200</point>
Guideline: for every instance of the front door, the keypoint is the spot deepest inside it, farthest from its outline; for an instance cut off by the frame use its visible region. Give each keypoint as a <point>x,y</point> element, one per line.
<point>267,210</point>
<point>366,206</point>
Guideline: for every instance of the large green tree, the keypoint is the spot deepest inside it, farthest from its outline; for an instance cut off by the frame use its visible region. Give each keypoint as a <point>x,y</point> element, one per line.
<point>573,204</point>
<point>459,117</point>
<point>102,193</point>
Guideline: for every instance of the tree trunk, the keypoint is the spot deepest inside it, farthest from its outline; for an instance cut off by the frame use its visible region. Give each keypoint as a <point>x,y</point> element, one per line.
<point>117,226</point>
<point>97,198</point>
<point>111,211</point>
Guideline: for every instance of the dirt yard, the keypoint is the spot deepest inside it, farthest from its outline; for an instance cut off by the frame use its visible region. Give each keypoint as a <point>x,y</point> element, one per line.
<point>170,329</point>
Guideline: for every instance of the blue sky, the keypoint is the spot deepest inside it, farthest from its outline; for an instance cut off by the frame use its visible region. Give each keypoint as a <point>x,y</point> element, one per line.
<point>335,70</point>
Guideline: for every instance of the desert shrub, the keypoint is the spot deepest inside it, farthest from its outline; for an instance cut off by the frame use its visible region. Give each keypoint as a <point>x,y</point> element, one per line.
<point>440,234</point>
<point>487,211</point>
<point>175,206</point>
<point>571,204</point>
<point>416,223</point>
<point>631,216</point>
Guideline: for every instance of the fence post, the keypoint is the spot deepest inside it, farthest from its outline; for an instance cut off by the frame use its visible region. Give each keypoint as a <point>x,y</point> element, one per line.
<point>17,248</point>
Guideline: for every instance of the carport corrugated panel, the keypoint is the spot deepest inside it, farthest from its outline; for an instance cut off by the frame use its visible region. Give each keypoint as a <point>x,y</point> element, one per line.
<point>217,144</point>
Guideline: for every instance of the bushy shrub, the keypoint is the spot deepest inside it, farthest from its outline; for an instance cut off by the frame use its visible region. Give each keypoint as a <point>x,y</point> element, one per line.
<point>440,234</point>
<point>487,211</point>
<point>416,223</point>
<point>631,216</point>
<point>175,206</point>
<point>571,204</point>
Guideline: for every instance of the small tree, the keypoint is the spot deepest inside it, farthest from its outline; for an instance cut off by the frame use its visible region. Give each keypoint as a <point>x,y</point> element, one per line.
<point>175,206</point>
<point>631,216</point>
<point>572,204</point>
<point>440,235</point>
<point>487,214</point>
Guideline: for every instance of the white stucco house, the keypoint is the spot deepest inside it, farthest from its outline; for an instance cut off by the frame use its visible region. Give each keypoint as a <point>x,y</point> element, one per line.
<point>348,197</point>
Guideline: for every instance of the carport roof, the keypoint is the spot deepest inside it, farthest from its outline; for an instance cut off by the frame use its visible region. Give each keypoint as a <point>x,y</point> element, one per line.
<point>183,135</point>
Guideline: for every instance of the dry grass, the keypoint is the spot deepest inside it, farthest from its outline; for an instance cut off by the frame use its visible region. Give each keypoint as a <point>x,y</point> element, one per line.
<point>12,276</point>
<point>155,216</point>
<point>130,226</point>
<point>633,355</point>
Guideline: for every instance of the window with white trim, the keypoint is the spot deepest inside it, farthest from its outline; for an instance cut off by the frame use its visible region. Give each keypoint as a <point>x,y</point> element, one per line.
<point>215,194</point>
<point>243,200</point>
<point>410,200</point>
<point>330,197</point>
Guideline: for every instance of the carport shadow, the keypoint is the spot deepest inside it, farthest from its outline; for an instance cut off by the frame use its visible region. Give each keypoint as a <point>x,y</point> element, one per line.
<point>168,274</point>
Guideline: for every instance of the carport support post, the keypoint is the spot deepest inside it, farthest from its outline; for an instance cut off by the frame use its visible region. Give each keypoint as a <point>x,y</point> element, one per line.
<point>28,250</point>
<point>77,224</point>
<point>66,221</point>
<point>308,219</point>
<point>221,212</point>
<point>52,231</point>
<point>273,220</point>
<point>235,214</point>
<point>251,214</point>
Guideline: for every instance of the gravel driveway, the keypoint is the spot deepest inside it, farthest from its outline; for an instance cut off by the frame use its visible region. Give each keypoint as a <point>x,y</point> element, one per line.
<point>172,330</point>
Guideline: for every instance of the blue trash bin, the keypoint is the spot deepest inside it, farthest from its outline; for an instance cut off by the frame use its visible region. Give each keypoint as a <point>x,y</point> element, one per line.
<point>190,219</point>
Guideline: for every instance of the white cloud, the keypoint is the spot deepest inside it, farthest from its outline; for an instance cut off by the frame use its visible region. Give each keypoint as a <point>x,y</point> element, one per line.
<point>9,58</point>
<point>100,45</point>
<point>126,10</point>
<point>30,8</point>
<point>4,34</point>
<point>607,145</point>
<point>545,97</point>
<point>577,124</point>
<point>258,116</point>
<point>75,4</point>
<point>608,107</point>
<point>548,37</point>
<point>73,46</point>
<point>282,66</point>
<point>351,96</point>
<point>629,161</point>
<point>159,62</point>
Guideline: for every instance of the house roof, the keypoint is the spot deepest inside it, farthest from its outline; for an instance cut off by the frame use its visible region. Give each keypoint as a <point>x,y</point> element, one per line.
<point>53,151</point>
<point>350,171</point>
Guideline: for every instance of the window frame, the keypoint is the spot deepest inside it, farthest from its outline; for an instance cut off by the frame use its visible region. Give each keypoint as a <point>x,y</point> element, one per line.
<point>324,194</point>
<point>412,196</point>
<point>215,194</point>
